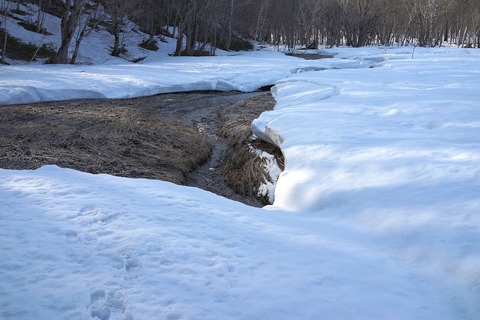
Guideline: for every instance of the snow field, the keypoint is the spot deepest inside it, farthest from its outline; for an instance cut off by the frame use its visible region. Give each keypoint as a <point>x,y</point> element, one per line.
<point>395,150</point>
<point>375,217</point>
<point>82,246</point>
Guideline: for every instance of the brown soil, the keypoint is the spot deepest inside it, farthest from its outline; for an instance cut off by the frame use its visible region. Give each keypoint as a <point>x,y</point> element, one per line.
<point>171,137</point>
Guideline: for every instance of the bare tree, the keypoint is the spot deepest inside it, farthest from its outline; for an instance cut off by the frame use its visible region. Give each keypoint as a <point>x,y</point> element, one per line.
<point>89,23</point>
<point>261,20</point>
<point>181,13</point>
<point>309,14</point>
<point>195,20</point>
<point>360,18</point>
<point>119,11</point>
<point>152,16</point>
<point>464,23</point>
<point>70,18</point>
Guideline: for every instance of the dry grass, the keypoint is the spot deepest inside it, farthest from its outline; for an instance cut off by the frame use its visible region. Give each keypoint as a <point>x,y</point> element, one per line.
<point>99,137</point>
<point>243,170</point>
<point>139,138</point>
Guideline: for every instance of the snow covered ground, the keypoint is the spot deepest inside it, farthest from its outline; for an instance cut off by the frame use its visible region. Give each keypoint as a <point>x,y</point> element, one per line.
<point>376,216</point>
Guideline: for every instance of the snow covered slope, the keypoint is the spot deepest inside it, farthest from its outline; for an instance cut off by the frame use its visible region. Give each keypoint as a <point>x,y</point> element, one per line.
<point>96,46</point>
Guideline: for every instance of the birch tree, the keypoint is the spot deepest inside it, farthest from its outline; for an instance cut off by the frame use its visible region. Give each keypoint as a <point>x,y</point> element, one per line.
<point>70,18</point>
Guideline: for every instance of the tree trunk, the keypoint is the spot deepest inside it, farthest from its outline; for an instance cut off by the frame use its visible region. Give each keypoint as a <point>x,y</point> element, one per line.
<point>447,33</point>
<point>179,45</point>
<point>228,43</point>
<point>77,44</point>
<point>66,36</point>
<point>86,29</point>
<point>464,36</point>
<point>116,43</point>
<point>5,35</point>
<point>189,36</point>
<point>39,16</point>
<point>68,25</point>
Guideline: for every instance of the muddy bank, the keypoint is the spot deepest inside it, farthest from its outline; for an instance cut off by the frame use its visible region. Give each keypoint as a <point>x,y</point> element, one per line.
<point>171,137</point>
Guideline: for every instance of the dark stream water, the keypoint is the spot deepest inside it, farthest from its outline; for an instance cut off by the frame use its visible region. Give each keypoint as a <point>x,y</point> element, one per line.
<point>202,112</point>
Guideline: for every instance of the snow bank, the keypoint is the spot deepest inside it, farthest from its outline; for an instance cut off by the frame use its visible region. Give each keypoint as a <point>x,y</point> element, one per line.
<point>246,72</point>
<point>395,151</point>
<point>82,246</point>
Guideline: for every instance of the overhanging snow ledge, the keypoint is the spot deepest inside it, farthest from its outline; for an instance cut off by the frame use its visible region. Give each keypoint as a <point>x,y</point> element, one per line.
<point>265,133</point>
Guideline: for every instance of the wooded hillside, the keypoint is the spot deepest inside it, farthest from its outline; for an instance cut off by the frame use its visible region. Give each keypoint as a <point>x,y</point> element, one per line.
<point>231,24</point>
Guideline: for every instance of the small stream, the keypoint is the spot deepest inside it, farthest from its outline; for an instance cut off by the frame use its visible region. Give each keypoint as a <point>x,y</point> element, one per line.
<point>108,136</point>
<point>201,111</point>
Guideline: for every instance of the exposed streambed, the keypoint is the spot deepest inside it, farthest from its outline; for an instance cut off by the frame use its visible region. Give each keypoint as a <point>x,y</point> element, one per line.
<point>160,137</point>
<point>204,114</point>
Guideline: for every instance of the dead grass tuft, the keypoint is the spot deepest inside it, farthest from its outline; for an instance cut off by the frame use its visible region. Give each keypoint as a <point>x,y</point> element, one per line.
<point>243,169</point>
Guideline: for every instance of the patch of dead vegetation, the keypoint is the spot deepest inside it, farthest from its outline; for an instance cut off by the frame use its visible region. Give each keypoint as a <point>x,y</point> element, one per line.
<point>100,136</point>
<point>243,169</point>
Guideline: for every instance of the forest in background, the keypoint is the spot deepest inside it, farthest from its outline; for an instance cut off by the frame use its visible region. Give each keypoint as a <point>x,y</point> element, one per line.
<point>358,23</point>
<point>201,26</point>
